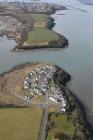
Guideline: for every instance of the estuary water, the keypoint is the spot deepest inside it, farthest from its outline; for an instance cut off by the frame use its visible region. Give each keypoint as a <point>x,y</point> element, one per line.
<point>77,59</point>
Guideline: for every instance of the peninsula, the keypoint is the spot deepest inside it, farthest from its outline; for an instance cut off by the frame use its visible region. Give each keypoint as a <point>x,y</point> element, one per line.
<point>35,94</point>
<point>31,26</point>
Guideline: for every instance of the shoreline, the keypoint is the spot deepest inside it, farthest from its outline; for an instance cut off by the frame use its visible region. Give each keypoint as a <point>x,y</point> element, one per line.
<point>83,109</point>
<point>77,101</point>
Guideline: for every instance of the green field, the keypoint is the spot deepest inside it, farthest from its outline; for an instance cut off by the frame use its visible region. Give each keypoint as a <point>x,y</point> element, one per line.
<point>19,123</point>
<point>41,35</point>
<point>61,125</point>
<point>40,17</point>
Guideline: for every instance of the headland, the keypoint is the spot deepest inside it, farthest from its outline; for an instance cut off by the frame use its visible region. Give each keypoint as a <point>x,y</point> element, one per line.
<point>43,86</point>
<point>32,28</point>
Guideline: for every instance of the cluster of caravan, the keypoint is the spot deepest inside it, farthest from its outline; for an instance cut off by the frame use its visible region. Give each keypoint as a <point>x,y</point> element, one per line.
<point>40,82</point>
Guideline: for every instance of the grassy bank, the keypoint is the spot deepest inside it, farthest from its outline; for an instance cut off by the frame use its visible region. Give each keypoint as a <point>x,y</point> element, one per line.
<point>60,125</point>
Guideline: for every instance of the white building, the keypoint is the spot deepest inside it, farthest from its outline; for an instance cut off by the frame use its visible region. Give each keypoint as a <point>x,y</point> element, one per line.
<point>52,99</point>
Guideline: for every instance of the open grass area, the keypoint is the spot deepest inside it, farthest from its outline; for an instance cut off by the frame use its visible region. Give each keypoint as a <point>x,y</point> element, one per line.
<point>40,24</point>
<point>61,125</point>
<point>7,99</point>
<point>19,123</point>
<point>38,99</point>
<point>41,35</point>
<point>40,17</point>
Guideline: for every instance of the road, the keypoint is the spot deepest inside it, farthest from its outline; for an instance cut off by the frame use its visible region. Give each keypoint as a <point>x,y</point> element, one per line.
<point>45,106</point>
<point>42,133</point>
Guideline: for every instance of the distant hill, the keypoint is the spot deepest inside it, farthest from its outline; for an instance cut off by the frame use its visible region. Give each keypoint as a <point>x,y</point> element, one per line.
<point>89,2</point>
